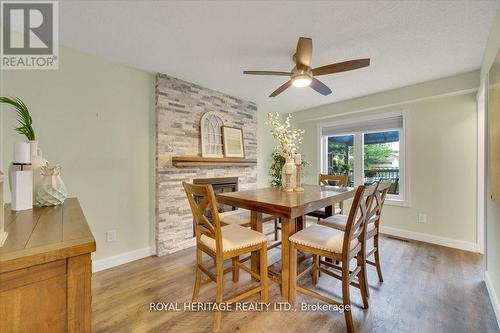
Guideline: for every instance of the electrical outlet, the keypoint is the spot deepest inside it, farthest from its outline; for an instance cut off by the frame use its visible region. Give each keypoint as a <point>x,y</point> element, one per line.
<point>111,236</point>
<point>422,218</point>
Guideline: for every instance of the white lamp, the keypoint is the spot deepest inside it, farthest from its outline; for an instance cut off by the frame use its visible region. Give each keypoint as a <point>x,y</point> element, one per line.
<point>301,81</point>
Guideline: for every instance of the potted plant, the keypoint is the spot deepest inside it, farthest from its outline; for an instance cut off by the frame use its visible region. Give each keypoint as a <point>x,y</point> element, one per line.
<point>26,128</point>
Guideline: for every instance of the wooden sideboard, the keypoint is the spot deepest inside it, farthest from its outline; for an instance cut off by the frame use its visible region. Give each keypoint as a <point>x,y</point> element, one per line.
<point>46,270</point>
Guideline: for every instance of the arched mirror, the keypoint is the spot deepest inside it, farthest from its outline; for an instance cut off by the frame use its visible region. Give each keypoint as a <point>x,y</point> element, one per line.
<point>211,135</point>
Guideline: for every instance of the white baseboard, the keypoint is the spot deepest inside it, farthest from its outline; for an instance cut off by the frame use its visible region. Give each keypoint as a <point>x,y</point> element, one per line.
<point>493,297</point>
<point>122,258</point>
<point>438,240</point>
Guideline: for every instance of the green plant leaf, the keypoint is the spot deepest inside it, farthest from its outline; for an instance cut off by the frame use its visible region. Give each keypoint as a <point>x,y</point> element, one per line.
<point>23,114</point>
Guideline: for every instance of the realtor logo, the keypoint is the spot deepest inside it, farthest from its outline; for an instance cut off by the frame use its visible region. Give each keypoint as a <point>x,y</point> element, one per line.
<point>29,35</point>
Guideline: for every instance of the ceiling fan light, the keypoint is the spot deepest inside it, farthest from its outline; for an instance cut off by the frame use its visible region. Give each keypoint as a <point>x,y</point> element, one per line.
<point>301,81</point>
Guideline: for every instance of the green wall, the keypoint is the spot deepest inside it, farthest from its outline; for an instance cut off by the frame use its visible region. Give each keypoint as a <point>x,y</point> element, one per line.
<point>441,152</point>
<point>264,149</point>
<point>96,119</point>
<point>492,209</point>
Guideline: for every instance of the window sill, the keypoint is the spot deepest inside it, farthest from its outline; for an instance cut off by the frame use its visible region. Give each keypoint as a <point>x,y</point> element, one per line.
<point>396,202</point>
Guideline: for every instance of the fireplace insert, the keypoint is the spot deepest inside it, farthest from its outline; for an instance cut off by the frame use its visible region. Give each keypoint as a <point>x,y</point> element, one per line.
<point>220,185</point>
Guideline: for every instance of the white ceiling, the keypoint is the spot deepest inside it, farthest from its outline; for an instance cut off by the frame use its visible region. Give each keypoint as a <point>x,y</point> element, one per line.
<point>211,42</point>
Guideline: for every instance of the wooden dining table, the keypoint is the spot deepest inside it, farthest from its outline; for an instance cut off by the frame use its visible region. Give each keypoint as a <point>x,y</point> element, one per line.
<point>291,208</point>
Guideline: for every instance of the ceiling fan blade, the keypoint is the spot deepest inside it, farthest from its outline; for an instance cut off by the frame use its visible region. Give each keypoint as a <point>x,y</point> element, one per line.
<point>341,67</point>
<point>320,87</point>
<point>281,89</point>
<point>304,52</point>
<point>267,73</point>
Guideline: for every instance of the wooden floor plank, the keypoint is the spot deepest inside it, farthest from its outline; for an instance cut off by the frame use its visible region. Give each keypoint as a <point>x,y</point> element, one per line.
<point>427,288</point>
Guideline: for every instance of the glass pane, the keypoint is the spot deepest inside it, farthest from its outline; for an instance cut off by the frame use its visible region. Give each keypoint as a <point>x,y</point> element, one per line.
<point>340,156</point>
<point>381,158</point>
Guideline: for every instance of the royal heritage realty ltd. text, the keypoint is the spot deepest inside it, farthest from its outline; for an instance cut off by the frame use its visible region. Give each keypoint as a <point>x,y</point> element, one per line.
<point>257,306</point>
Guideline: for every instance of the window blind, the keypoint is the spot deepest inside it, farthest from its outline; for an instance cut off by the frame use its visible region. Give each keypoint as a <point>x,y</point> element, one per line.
<point>393,122</point>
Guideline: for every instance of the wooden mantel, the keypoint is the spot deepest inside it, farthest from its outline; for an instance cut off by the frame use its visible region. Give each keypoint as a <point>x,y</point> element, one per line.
<point>196,161</point>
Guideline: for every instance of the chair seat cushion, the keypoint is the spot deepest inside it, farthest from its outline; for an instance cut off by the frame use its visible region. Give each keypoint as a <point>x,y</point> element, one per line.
<point>238,216</point>
<point>339,221</point>
<point>337,210</point>
<point>235,237</point>
<point>322,238</point>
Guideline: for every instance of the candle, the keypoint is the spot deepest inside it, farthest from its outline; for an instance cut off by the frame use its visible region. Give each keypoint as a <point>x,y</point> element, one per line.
<point>22,152</point>
<point>298,159</point>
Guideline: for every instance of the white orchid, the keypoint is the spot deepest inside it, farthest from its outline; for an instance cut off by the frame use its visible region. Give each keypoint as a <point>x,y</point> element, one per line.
<point>288,140</point>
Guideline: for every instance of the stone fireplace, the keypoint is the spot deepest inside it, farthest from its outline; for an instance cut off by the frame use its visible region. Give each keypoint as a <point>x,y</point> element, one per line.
<point>179,108</point>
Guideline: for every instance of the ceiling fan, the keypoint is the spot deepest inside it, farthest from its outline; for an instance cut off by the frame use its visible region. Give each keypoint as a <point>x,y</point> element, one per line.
<point>302,75</point>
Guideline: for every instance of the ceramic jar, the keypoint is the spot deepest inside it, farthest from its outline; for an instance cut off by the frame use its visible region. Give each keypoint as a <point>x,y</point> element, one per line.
<point>51,190</point>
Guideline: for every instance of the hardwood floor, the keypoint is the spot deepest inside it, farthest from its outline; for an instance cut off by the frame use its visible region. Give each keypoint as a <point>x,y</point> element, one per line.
<point>427,288</point>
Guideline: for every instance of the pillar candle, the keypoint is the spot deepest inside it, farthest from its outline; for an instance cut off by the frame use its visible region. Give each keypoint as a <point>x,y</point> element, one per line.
<point>298,159</point>
<point>22,152</point>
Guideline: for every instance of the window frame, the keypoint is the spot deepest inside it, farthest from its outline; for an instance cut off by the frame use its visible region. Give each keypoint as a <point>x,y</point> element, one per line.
<point>402,199</point>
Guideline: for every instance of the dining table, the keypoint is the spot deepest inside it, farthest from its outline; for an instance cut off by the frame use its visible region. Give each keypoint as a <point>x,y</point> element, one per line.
<point>290,208</point>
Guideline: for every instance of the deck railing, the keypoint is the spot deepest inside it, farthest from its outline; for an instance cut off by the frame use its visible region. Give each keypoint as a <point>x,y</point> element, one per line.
<point>375,175</point>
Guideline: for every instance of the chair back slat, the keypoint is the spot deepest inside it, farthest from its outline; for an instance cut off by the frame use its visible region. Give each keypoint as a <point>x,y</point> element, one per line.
<point>361,209</point>
<point>202,201</point>
<point>379,199</point>
<point>341,180</point>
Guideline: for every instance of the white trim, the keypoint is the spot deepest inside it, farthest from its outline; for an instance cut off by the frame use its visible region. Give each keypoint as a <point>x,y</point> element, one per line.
<point>122,258</point>
<point>493,296</point>
<point>396,202</point>
<point>359,158</point>
<point>481,171</point>
<point>427,238</point>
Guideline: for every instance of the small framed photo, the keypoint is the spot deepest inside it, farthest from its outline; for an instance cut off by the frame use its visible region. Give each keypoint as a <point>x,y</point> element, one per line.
<point>233,142</point>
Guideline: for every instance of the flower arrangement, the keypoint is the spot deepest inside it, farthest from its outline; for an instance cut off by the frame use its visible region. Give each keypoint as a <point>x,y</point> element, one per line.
<point>288,143</point>
<point>288,140</point>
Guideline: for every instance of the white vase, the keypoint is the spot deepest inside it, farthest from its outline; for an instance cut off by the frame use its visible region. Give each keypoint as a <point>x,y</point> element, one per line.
<point>37,161</point>
<point>51,191</point>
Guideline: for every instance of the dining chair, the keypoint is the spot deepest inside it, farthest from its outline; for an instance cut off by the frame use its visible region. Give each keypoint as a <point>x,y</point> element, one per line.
<point>223,243</point>
<point>339,222</point>
<point>341,246</point>
<point>334,180</point>
<point>242,217</point>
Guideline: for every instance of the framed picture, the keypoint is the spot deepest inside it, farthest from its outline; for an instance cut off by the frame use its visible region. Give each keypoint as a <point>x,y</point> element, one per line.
<point>233,142</point>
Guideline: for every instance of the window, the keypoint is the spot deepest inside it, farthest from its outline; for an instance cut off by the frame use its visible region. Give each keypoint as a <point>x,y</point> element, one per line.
<point>341,156</point>
<point>381,158</point>
<point>367,150</point>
